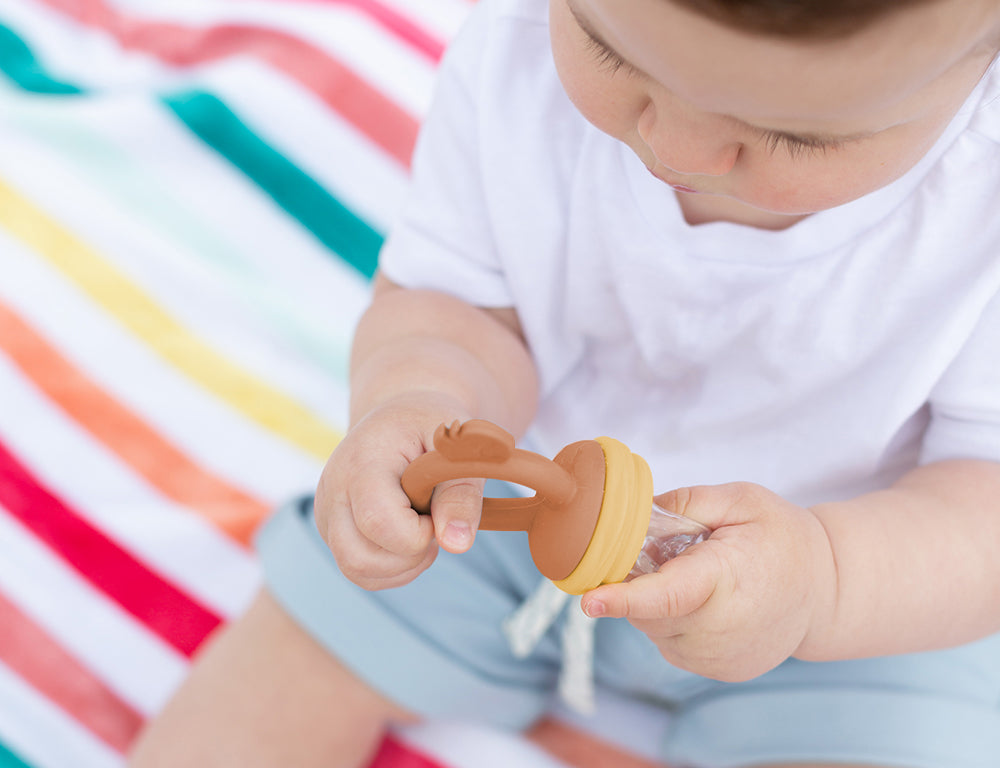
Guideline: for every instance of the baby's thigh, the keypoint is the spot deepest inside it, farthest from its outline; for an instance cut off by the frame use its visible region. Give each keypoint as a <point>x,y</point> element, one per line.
<point>263,693</point>
<point>435,646</point>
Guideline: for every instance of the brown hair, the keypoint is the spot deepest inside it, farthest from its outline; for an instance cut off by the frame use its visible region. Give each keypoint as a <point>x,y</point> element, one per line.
<point>815,19</point>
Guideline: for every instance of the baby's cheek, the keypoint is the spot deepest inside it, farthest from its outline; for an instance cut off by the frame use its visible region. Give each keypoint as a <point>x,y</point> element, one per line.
<point>841,176</point>
<point>800,191</point>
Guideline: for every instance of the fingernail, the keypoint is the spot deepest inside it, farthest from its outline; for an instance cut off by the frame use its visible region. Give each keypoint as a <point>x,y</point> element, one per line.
<point>595,609</point>
<point>457,535</point>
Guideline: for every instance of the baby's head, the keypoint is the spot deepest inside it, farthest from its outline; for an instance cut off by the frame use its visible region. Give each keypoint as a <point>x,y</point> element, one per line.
<point>801,19</point>
<point>784,106</point>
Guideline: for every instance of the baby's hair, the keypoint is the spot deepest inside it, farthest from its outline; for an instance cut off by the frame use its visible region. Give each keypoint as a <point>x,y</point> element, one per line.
<point>807,19</point>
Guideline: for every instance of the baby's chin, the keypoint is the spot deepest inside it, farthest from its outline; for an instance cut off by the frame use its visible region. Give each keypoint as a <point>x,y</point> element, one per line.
<point>708,207</point>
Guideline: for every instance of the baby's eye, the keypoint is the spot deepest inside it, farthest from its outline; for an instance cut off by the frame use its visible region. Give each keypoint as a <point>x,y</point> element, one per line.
<point>797,146</point>
<point>608,59</point>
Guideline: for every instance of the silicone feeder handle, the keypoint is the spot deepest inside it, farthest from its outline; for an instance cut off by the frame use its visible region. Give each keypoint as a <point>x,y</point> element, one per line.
<point>480,448</point>
<point>560,518</point>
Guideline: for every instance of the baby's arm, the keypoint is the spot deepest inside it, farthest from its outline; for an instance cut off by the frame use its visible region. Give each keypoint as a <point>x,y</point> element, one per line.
<point>910,568</point>
<point>918,565</point>
<point>419,358</point>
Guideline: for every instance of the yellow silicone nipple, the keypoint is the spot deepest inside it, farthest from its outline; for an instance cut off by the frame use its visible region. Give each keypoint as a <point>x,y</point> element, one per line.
<point>622,523</point>
<point>588,518</point>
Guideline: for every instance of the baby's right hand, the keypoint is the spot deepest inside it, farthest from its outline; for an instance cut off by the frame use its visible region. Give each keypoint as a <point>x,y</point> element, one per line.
<point>361,511</point>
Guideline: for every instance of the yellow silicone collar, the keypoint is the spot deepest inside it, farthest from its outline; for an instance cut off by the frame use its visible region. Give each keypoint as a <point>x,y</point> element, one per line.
<point>622,523</point>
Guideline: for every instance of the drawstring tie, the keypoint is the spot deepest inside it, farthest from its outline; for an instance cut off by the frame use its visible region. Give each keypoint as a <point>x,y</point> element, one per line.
<point>525,627</point>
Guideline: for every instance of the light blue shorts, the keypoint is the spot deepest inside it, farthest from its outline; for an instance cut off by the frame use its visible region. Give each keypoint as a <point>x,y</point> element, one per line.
<point>436,647</point>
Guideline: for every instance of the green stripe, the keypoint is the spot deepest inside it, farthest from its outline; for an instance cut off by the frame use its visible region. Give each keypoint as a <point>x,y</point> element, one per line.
<point>20,65</point>
<point>299,195</point>
<point>9,760</point>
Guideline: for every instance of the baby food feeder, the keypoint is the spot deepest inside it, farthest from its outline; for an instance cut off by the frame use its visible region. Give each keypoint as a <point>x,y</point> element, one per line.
<point>592,519</point>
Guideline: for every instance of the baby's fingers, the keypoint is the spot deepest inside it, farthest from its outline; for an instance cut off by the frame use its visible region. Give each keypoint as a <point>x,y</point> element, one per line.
<point>383,516</point>
<point>456,508</point>
<point>681,587</point>
<point>372,567</point>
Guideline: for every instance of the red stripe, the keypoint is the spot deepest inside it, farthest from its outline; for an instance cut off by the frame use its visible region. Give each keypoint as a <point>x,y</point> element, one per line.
<point>395,754</point>
<point>32,654</point>
<point>400,26</point>
<point>165,610</point>
<point>384,122</point>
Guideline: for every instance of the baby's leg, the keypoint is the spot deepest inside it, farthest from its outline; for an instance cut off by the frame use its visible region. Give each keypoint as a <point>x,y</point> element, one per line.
<point>264,693</point>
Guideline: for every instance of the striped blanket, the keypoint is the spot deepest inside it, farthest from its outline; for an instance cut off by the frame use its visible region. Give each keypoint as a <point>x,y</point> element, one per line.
<point>193,194</point>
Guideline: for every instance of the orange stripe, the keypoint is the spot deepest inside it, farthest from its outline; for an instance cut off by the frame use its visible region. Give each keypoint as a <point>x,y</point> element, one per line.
<point>574,746</point>
<point>125,434</point>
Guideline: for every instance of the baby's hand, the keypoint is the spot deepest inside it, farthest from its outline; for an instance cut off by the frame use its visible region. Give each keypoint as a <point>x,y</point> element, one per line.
<point>741,602</point>
<point>363,514</point>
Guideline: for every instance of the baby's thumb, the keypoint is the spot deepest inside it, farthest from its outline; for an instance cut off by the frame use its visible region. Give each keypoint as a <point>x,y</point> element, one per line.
<point>456,508</point>
<point>681,587</point>
<point>715,505</point>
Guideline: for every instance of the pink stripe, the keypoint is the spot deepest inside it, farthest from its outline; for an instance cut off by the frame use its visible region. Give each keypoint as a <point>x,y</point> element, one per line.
<point>394,753</point>
<point>45,665</point>
<point>383,121</point>
<point>163,608</point>
<point>400,26</point>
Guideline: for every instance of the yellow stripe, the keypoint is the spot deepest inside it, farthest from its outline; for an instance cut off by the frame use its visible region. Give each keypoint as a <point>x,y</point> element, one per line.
<point>139,312</point>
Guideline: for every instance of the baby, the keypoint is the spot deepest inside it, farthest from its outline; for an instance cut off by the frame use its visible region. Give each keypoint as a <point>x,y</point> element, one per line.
<point>758,242</point>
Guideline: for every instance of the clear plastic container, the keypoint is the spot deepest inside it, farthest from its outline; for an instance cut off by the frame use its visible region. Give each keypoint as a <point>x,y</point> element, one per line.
<point>668,535</point>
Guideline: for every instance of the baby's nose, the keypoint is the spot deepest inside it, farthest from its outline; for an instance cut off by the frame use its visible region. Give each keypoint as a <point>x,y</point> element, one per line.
<point>688,144</point>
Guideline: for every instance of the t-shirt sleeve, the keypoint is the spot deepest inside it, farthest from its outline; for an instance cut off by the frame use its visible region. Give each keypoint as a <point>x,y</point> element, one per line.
<point>965,404</point>
<point>442,238</point>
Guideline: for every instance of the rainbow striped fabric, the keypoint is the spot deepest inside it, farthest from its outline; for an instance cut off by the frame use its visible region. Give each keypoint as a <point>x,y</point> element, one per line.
<point>193,194</point>
<point>192,198</point>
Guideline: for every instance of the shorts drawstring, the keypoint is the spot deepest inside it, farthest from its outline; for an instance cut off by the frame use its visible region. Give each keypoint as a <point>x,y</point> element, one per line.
<point>525,627</point>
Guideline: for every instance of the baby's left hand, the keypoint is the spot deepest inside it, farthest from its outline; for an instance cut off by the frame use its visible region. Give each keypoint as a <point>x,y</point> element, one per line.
<point>741,602</point>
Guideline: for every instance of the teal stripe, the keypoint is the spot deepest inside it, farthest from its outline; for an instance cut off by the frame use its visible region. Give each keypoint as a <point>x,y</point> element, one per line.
<point>9,760</point>
<point>133,187</point>
<point>300,196</point>
<point>20,65</point>
<point>338,228</point>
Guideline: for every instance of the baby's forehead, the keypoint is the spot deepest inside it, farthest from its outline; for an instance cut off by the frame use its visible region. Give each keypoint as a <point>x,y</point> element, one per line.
<point>764,78</point>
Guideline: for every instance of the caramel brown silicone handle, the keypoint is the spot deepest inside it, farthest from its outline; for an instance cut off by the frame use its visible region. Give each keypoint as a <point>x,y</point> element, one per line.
<point>560,518</point>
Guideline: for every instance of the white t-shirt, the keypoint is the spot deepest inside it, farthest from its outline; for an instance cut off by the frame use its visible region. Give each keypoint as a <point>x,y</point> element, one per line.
<point>820,361</point>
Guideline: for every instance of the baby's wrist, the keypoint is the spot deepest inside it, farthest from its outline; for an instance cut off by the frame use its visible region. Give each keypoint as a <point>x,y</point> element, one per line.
<point>421,404</point>
<point>819,641</point>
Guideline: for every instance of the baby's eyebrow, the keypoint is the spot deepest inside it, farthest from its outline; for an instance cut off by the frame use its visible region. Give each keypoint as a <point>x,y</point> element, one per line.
<point>806,138</point>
